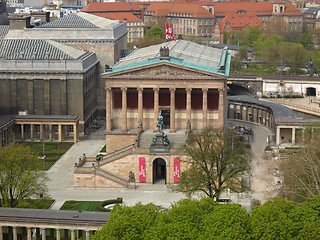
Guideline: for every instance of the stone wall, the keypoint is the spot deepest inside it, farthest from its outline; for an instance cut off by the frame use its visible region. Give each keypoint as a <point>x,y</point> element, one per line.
<point>93,181</point>
<point>116,141</point>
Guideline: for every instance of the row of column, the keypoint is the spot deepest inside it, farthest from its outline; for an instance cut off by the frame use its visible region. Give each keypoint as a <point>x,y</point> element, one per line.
<point>156,106</point>
<point>40,233</point>
<point>43,131</point>
<point>264,118</point>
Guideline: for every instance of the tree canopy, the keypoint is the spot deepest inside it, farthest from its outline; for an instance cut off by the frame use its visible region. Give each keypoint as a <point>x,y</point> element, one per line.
<point>19,177</point>
<point>154,31</point>
<point>206,219</point>
<point>215,163</point>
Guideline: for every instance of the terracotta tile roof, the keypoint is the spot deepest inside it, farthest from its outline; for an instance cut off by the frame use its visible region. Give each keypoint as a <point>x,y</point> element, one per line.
<point>240,21</point>
<point>192,9</point>
<point>127,17</point>
<point>260,8</point>
<point>111,7</point>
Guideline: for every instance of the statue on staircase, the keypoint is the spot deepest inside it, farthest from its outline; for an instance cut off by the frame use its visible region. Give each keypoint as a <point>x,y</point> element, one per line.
<point>160,124</point>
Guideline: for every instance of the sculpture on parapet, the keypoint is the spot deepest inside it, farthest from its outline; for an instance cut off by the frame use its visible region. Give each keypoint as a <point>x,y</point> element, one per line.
<point>131,177</point>
<point>140,126</point>
<point>160,124</point>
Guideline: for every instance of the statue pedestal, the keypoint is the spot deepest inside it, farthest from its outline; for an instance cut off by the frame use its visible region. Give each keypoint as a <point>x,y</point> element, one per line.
<point>160,144</point>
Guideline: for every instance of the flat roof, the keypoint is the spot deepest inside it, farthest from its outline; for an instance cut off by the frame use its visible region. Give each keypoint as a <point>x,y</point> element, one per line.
<point>282,114</point>
<point>53,216</point>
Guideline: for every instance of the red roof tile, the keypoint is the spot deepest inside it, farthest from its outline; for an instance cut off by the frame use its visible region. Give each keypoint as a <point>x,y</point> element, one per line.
<point>127,17</point>
<point>260,8</point>
<point>239,21</point>
<point>111,7</point>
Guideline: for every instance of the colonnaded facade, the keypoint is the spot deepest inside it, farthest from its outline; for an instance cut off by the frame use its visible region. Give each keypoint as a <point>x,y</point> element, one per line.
<point>181,81</point>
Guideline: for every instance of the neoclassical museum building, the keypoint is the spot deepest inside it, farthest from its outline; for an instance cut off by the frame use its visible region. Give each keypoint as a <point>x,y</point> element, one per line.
<point>182,81</point>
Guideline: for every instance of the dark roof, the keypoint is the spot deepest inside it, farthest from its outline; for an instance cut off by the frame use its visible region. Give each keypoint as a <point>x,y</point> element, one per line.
<point>231,47</point>
<point>47,117</point>
<point>69,21</point>
<point>37,49</point>
<point>4,29</point>
<point>5,119</point>
<point>53,216</point>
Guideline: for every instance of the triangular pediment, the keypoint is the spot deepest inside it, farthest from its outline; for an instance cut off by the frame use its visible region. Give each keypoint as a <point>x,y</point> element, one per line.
<point>164,69</point>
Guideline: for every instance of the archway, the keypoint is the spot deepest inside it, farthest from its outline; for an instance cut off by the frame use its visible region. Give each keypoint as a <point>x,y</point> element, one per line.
<point>234,89</point>
<point>159,171</point>
<point>311,91</point>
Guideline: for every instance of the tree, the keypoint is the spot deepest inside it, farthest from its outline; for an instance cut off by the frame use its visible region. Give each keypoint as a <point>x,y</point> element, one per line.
<point>274,220</point>
<point>215,163</point>
<point>154,31</point>
<point>19,177</point>
<point>301,170</point>
<point>128,222</point>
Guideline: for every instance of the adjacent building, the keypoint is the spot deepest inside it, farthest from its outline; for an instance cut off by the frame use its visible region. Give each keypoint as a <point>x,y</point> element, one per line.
<point>106,38</point>
<point>44,77</point>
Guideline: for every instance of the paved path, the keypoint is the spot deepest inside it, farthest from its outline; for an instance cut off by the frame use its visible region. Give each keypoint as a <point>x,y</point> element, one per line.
<point>61,187</point>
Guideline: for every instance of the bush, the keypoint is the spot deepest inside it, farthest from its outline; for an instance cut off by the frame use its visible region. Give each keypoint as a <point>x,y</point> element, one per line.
<point>101,205</point>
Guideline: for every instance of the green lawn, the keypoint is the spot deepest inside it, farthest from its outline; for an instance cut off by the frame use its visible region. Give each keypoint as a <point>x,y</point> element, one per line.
<point>35,203</point>
<point>52,151</point>
<point>80,205</point>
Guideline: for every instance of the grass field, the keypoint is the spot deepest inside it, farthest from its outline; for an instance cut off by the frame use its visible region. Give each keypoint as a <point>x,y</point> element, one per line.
<point>51,150</point>
<point>35,203</point>
<point>80,205</point>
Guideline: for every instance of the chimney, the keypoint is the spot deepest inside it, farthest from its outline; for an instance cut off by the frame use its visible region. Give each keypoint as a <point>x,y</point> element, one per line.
<point>19,22</point>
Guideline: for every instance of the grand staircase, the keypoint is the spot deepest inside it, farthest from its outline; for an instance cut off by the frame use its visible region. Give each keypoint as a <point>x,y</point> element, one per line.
<point>144,140</point>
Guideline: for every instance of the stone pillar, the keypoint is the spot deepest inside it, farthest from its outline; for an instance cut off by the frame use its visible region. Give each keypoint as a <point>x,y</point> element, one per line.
<point>140,104</point>
<point>63,100</point>
<point>124,109</point>
<point>221,107</point>
<point>58,234</point>
<point>172,110</point>
<point>156,106</point>
<point>108,109</point>
<point>73,235</point>
<point>14,233</point>
<point>41,132</point>
<point>75,132</point>
<point>29,235</point>
<point>204,107</point>
<point>31,131</point>
<point>188,90</point>
<point>30,97</point>
<point>278,136</point>
<point>50,132</point>
<point>87,234</point>
<point>43,233</point>
<point>22,131</point>
<point>1,233</point>
<point>293,138</point>
<point>46,92</point>
<point>59,133</point>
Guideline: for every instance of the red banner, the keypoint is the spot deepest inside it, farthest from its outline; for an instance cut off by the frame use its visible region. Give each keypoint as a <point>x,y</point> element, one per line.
<point>176,169</point>
<point>169,33</point>
<point>142,169</point>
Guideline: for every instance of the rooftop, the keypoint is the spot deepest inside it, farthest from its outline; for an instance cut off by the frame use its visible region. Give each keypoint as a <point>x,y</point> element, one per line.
<point>37,49</point>
<point>181,52</point>
<point>123,17</point>
<point>53,216</point>
<point>80,20</point>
